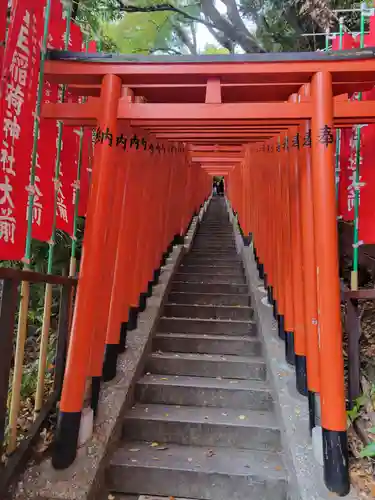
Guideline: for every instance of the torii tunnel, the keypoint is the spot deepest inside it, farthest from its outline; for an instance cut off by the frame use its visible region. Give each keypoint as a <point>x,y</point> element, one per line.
<point>266,123</point>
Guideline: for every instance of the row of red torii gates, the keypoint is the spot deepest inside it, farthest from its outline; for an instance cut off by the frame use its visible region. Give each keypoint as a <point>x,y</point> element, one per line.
<point>265,122</point>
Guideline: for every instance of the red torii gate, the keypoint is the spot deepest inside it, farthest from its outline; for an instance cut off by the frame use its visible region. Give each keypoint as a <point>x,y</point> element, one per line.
<point>218,104</point>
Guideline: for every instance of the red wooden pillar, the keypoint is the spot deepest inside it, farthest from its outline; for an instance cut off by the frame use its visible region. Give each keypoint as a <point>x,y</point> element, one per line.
<point>309,265</point>
<point>82,327</point>
<point>335,446</point>
<point>286,251</point>
<point>296,260</point>
<point>106,279</point>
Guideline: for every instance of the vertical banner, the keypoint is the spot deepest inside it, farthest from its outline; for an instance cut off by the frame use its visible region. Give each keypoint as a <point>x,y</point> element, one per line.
<point>366,226</point>
<point>69,157</point>
<point>3,29</point>
<point>345,187</point>
<point>87,161</point>
<point>346,199</point>
<point>44,178</point>
<point>20,79</point>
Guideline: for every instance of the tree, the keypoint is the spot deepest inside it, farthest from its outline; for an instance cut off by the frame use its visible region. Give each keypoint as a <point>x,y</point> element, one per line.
<point>240,25</point>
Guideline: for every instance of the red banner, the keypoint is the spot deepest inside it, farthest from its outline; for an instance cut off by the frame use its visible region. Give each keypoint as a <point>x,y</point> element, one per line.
<point>345,188</point>
<point>87,160</point>
<point>69,158</point>
<point>366,226</point>
<point>86,168</point>
<point>44,181</point>
<point>3,27</point>
<point>20,77</point>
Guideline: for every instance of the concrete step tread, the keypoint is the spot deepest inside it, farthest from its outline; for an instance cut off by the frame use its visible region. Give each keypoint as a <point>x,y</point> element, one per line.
<point>204,382</point>
<point>210,306</point>
<point>199,298</point>
<point>187,277</point>
<point>207,415</point>
<point>183,356</point>
<point>207,336</point>
<point>212,320</point>
<point>261,465</point>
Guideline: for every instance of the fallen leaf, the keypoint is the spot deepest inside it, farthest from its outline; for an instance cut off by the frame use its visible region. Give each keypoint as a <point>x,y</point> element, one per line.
<point>190,459</point>
<point>242,417</point>
<point>164,378</point>
<point>155,458</point>
<point>154,444</point>
<point>210,453</point>
<point>161,448</point>
<point>111,497</point>
<point>278,467</point>
<point>225,414</point>
<point>134,449</point>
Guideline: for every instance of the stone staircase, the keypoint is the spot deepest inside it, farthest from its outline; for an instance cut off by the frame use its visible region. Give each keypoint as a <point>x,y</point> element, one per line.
<point>203,426</point>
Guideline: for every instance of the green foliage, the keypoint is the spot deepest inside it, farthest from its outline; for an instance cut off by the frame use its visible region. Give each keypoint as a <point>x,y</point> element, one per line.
<point>212,49</point>
<point>368,451</point>
<point>353,414</point>
<point>141,33</point>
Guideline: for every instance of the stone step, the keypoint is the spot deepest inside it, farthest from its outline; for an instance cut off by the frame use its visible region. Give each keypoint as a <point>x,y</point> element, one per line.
<point>212,247</point>
<point>234,270</point>
<point>215,232</point>
<point>206,260</point>
<point>214,239</point>
<point>218,366</point>
<point>219,299</point>
<point>203,391</point>
<point>207,344</point>
<point>192,426</point>
<point>197,472</point>
<point>239,313</point>
<point>210,278</point>
<point>216,253</point>
<point>222,288</point>
<point>209,326</point>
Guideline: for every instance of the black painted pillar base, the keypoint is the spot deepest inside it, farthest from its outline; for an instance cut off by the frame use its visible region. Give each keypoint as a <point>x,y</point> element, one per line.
<point>301,374</point>
<point>110,362</point>
<point>255,254</point>
<point>66,440</point>
<point>123,335</point>
<point>246,240</point>
<point>178,239</point>
<point>336,461</point>
<point>275,313</point>
<point>133,318</point>
<point>164,259</point>
<point>261,271</point>
<point>95,393</point>
<point>156,276</point>
<point>281,322</point>
<point>270,295</point>
<point>150,286</point>
<point>312,411</point>
<point>265,280</point>
<point>290,354</point>
<point>142,301</point>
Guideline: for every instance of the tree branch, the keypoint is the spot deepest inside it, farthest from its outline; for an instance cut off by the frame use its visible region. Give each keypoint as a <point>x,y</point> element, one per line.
<point>247,43</point>
<point>163,7</point>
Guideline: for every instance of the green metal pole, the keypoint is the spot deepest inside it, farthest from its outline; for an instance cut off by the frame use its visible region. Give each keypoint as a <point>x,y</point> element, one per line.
<point>338,131</point>
<point>34,155</point>
<point>58,150</point>
<point>354,273</point>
